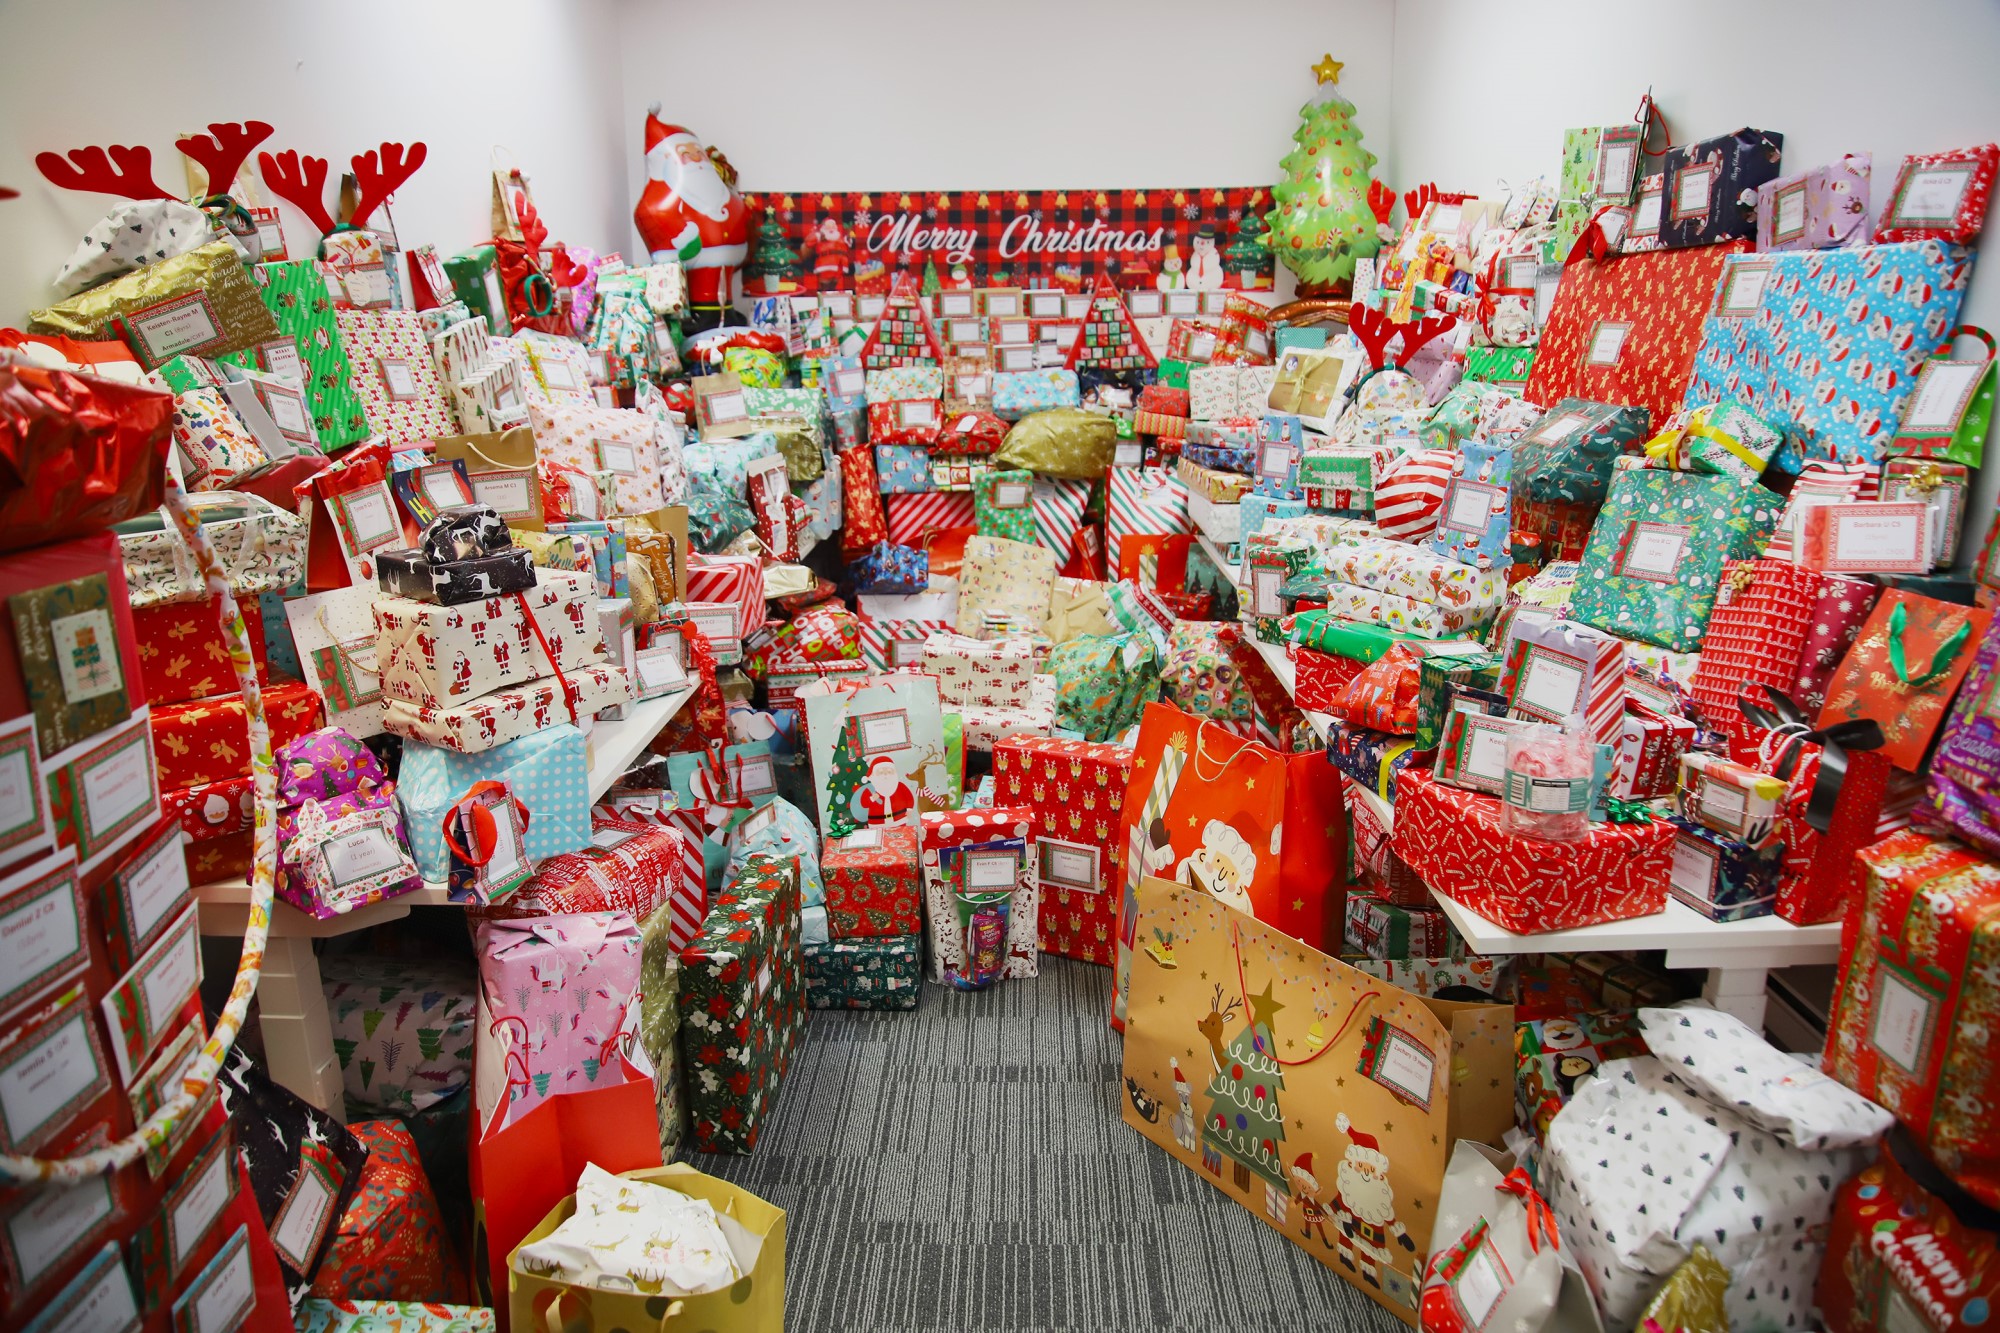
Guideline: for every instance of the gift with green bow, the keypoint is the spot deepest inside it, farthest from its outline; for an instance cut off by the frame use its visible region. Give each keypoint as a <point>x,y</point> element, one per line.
<point>1904,669</point>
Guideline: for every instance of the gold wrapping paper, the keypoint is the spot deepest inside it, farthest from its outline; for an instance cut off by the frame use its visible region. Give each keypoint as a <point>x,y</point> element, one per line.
<point>201,303</point>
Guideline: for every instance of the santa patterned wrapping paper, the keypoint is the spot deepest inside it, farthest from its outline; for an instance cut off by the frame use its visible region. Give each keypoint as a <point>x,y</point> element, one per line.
<point>1826,345</point>
<point>209,740</point>
<point>402,1028</point>
<point>1711,186</point>
<point>882,972</point>
<point>1007,577</point>
<point>902,469</point>
<point>1918,1002</point>
<point>1458,843</point>
<point>395,375</point>
<point>504,715</point>
<point>1656,554</point>
<point>547,770</point>
<point>181,653</point>
<point>1626,330</point>
<point>874,883</point>
<point>1553,1056</point>
<point>392,1244</point>
<point>1817,209</point>
<point>980,896</point>
<point>443,656</point>
<point>626,444</point>
<point>1075,791</point>
<point>742,997</point>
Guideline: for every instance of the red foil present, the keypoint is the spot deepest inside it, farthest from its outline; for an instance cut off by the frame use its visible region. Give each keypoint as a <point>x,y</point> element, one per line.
<point>874,883</point>
<point>866,527</point>
<point>392,1244</point>
<point>1458,843</point>
<point>181,652</point>
<point>1075,792</point>
<point>209,741</point>
<point>1840,608</point>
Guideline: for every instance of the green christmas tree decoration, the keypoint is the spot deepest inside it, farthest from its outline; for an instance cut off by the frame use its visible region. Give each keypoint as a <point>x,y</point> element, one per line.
<point>773,262</point>
<point>1320,221</point>
<point>842,783</point>
<point>1248,254</point>
<point>1244,1122</point>
<point>932,286</point>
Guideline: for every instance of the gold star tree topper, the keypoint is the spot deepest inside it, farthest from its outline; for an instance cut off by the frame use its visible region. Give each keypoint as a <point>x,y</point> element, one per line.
<point>1328,69</point>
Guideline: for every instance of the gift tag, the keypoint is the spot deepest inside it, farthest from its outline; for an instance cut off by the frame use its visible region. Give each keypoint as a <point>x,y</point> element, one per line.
<point>25,825</point>
<point>147,1000</point>
<point>41,929</point>
<point>70,661</point>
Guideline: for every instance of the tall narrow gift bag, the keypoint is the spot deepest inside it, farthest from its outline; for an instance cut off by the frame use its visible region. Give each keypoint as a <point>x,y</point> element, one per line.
<point>1756,634</point>
<point>1903,670</point>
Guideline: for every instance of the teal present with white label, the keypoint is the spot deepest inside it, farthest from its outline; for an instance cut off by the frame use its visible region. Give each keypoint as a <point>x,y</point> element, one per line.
<point>1473,521</point>
<point>548,771</point>
<point>1566,457</point>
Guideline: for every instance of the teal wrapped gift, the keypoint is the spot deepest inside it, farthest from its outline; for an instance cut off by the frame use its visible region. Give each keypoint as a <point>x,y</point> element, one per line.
<point>727,462</point>
<point>548,771</point>
<point>1657,551</point>
<point>1257,510</point>
<point>1567,456</point>
<point>777,829</point>
<point>879,972</point>
<point>1103,682</point>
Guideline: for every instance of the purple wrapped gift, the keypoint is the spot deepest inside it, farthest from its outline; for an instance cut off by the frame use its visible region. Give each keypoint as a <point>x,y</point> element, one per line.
<point>341,840</point>
<point>1965,770</point>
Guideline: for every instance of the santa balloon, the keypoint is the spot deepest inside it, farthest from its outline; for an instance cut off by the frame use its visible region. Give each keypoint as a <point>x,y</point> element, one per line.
<point>689,211</point>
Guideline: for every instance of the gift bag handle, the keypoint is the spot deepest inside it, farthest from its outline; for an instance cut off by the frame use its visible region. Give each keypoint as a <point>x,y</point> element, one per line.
<point>485,833</point>
<point>1975,332</point>
<point>1941,660</point>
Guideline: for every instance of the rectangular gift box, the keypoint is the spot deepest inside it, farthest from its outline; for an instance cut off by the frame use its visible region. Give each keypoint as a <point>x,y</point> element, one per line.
<point>181,652</point>
<point>1711,186</point>
<point>1458,843</point>
<point>985,727</point>
<point>874,883</point>
<point>742,996</point>
<point>448,655</point>
<point>1384,930</point>
<point>1723,878</point>
<point>1215,485</point>
<point>1866,537</point>
<point>1554,669</point>
<point>1943,488</point>
<point>548,770</point>
<point>209,740</point>
<point>1437,676</point>
<point>981,673</point>
<point>505,715</point>
<point>882,972</point>
<point>493,574</point>
<point>982,852</point>
<point>1472,744</point>
<point>1646,757</point>
<point>1730,798</point>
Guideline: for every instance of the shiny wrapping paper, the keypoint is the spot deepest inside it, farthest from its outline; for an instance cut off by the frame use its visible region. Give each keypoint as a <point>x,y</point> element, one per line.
<point>392,1244</point>
<point>505,715</point>
<point>209,740</point>
<point>201,303</point>
<point>1458,843</point>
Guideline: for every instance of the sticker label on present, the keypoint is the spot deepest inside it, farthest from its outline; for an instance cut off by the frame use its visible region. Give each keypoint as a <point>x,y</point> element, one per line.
<point>116,787</point>
<point>1742,292</point>
<point>24,798</point>
<point>723,407</point>
<point>1275,462</point>
<point>1068,865</point>
<point>50,1075</point>
<point>1264,591</point>
<point>1399,1062</point>
<point>1930,197</point>
<point>513,495</point>
<point>1904,1021</point>
<point>86,651</point>
<point>1877,538</point>
<point>1652,551</point>
<point>194,1204</point>
<point>658,670</point>
<point>1607,342</point>
<point>952,305</point>
<point>185,323</point>
<point>1471,504</point>
<point>41,928</point>
<point>288,412</point>
<point>1560,428</point>
<point>1001,302</point>
<point>849,383</point>
<point>1550,683</point>
<point>1693,187</point>
<point>558,374</point>
<point>149,998</point>
<point>1695,868</point>
<point>1617,159</point>
<point>883,732</point>
<point>50,1225</point>
<point>916,413</point>
<point>368,519</point>
<point>1945,390</point>
<point>1045,305</point>
<point>617,456</point>
<point>98,1301</point>
<point>1646,216</point>
<point>1788,213</point>
<point>280,357</point>
<point>988,869</point>
<point>443,487</point>
<point>1485,752</point>
<point>717,622</point>
<point>1012,495</point>
<point>223,1296</point>
<point>398,380</point>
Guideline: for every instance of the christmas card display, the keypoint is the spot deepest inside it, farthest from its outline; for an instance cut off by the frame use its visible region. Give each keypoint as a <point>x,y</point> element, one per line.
<point>903,334</point>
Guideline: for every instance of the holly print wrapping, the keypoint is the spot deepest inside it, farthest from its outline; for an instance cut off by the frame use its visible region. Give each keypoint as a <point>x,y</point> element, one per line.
<point>881,972</point>
<point>742,997</point>
<point>874,881</point>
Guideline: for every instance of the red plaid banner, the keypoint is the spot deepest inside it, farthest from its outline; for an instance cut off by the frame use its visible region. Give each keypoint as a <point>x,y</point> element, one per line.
<point>1062,239</point>
<point>911,516</point>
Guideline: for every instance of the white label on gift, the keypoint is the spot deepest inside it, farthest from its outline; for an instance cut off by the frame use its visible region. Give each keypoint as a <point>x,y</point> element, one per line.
<point>507,492</point>
<point>1789,220</point>
<point>1646,218</point>
<point>1552,684</point>
<point>617,456</point>
<point>881,732</point>
<point>600,367</point>
<point>87,657</point>
<point>443,487</point>
<point>1275,462</point>
<point>725,406</point>
<point>1607,342</point>
<point>921,413</point>
<point>849,383</point>
<point>117,787</point>
<point>1201,347</point>
<point>1003,303</point>
<point>1442,219</point>
<point>603,395</point>
<point>396,374</point>
<point>971,388</point>
<point>717,622</point>
<point>1128,453</point>
<point>756,776</point>
<point>199,1203</point>
<point>271,237</point>
<point>1653,551</point>
<point>1743,292</point>
<point>1015,358</point>
<point>54,1221</point>
<point>1694,868</point>
<point>1519,273</point>
<point>1469,506</point>
<point>281,358</point>
<point>906,652</point>
<point>1264,585</point>
<point>1045,305</point>
<point>1547,278</point>
<point>1723,803</point>
<point>1145,305</point>
<point>1067,865</point>
<point>558,373</point>
<point>1564,426</point>
<point>287,409</point>
<point>154,888</point>
<point>658,670</point>
<point>1615,159</point>
<point>1479,1283</point>
<point>1404,1065</point>
<point>954,304</point>
<point>756,824</point>
<point>227,1290</point>
<point>1879,538</point>
<point>608,839</point>
<point>1076,307</point>
<point>1013,332</point>
<point>989,870</point>
<point>962,330</point>
<point>1902,1027</point>
<point>302,1217</point>
<point>1485,749</point>
<point>1691,191</point>
<point>866,838</point>
<point>371,518</point>
<point>496,300</point>
<point>1944,391</point>
<point>505,863</point>
<point>365,852</point>
<point>43,1081</point>
<point>1900,1313</point>
<point>43,933</point>
<point>1011,495</point>
<point>166,330</point>
<point>870,307</point>
<point>1930,197</point>
<point>102,1304</point>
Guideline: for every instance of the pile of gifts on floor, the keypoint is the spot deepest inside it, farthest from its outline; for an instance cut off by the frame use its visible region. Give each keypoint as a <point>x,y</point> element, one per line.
<point>680,680</point>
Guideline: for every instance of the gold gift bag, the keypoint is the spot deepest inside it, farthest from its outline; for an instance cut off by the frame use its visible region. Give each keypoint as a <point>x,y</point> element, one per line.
<point>1320,1098</point>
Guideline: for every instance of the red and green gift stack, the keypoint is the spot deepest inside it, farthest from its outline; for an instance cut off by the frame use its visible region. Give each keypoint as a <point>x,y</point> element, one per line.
<point>874,958</point>
<point>1109,340</point>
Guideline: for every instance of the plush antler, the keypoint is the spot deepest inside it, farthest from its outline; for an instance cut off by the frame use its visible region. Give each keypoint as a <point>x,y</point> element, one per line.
<point>533,230</point>
<point>1416,200</point>
<point>119,169</point>
<point>223,150</point>
<point>1372,329</point>
<point>377,183</point>
<point>1381,201</point>
<point>300,182</point>
<point>1423,331</point>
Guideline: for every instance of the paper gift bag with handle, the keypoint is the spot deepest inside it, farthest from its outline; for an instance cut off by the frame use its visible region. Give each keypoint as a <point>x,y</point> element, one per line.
<point>1903,670</point>
<point>1320,1098</point>
<point>500,465</point>
<point>1497,1259</point>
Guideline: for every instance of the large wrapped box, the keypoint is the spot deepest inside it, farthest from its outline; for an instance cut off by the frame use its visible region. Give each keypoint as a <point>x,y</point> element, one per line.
<point>1912,1024</point>
<point>395,375</point>
<point>742,996</point>
<point>509,714</point>
<point>1553,1056</point>
<point>1897,1250</point>
<point>979,672</point>
<point>1005,577</point>
<point>449,655</point>
<point>181,652</point>
<point>548,771</point>
<point>879,972</point>
<point>1458,843</point>
<point>403,1029</point>
<point>209,740</point>
<point>1075,791</point>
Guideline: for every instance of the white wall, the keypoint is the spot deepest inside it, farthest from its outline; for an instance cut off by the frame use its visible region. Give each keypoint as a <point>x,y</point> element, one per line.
<point>1482,93</point>
<point>537,75</point>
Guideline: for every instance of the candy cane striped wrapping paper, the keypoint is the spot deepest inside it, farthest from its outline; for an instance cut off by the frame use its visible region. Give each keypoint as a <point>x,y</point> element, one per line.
<point>1410,491</point>
<point>1059,506</point>
<point>878,635</point>
<point>1555,668</point>
<point>912,516</point>
<point>1821,483</point>
<point>1144,500</point>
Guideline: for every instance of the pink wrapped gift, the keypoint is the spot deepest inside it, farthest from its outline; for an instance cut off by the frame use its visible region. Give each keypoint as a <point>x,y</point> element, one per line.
<point>736,579</point>
<point>445,656</point>
<point>556,994</point>
<point>980,673</point>
<point>505,715</point>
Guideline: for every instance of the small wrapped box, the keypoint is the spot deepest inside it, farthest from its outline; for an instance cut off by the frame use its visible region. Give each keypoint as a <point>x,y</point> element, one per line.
<point>1373,758</point>
<point>985,727</point>
<point>209,740</point>
<point>1216,485</point>
<point>548,770</point>
<point>882,972</point>
<point>1472,745</point>
<point>1646,757</point>
<point>1566,456</point>
<point>490,398</point>
<point>1723,878</point>
<point>981,673</point>
<point>505,715</point>
<point>1321,678</point>
<point>874,883</point>
<point>409,574</point>
<point>1711,187</point>
<point>1555,669</point>
<point>1458,843</point>
<point>1437,675</point>
<point>1731,798</point>
<point>448,655</point>
<point>1383,930</point>
<point>1940,486</point>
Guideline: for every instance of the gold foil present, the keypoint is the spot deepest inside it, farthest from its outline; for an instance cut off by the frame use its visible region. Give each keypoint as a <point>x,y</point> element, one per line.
<point>201,303</point>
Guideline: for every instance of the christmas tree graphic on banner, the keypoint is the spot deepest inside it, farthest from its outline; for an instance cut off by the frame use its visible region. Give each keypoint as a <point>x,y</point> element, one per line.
<point>1322,223</point>
<point>1244,1122</point>
<point>1109,340</point>
<point>845,779</point>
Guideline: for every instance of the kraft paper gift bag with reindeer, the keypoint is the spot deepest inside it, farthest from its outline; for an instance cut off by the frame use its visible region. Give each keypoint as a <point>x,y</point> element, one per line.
<point>1320,1098</point>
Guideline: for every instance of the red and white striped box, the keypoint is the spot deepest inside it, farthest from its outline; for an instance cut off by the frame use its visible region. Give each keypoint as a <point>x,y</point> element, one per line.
<point>888,644</point>
<point>981,673</point>
<point>911,518</point>
<point>1059,505</point>
<point>1555,668</point>
<point>735,579</point>
<point>1075,791</point>
<point>1144,500</point>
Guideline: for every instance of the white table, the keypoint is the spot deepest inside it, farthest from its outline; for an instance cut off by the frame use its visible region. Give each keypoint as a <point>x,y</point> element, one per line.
<point>291,1004</point>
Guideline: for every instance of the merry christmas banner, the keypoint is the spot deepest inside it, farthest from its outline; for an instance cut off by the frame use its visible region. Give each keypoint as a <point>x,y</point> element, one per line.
<point>1174,239</point>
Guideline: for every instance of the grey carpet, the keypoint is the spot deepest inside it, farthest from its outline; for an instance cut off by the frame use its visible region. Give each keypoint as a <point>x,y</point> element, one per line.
<point>964,1169</point>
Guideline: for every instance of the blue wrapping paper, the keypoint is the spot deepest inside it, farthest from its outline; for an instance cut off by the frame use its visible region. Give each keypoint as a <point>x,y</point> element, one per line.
<point>890,568</point>
<point>902,469</point>
<point>548,771</point>
<point>1721,877</point>
<point>1474,519</point>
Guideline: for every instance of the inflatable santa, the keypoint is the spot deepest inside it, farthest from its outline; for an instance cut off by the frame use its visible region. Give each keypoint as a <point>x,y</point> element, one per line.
<point>689,212</point>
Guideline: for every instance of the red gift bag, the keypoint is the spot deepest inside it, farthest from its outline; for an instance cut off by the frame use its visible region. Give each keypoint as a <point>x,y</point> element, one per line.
<point>353,514</point>
<point>1755,636</point>
<point>79,453</point>
<point>1903,671</point>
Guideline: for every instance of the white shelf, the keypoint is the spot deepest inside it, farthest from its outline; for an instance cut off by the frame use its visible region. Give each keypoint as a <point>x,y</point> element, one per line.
<point>1690,939</point>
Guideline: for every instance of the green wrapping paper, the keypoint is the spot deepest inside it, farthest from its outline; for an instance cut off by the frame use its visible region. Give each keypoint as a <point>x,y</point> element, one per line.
<point>475,279</point>
<point>1103,682</point>
<point>1327,633</point>
<point>878,972</point>
<point>660,1025</point>
<point>1506,367</point>
<point>1566,457</point>
<point>1657,550</point>
<point>1003,505</point>
<point>1436,676</point>
<point>295,294</point>
<point>196,304</point>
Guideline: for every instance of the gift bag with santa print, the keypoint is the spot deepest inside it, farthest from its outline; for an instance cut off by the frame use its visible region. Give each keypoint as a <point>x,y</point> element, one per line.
<point>1323,1100</point>
<point>877,753</point>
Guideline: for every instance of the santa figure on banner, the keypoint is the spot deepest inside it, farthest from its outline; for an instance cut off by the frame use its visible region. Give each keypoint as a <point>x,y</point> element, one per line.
<point>1364,1206</point>
<point>691,211</point>
<point>1204,265</point>
<point>828,251</point>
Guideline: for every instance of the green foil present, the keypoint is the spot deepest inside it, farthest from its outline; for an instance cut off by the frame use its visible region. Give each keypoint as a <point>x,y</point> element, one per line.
<point>1436,676</point>
<point>1506,367</point>
<point>1567,455</point>
<point>295,294</point>
<point>876,972</point>
<point>1174,374</point>
<point>475,279</point>
<point>1657,550</point>
<point>660,1025</point>
<point>1325,632</point>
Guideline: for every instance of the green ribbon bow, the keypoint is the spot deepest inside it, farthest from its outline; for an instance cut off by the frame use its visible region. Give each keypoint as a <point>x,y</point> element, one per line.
<point>1627,812</point>
<point>1941,660</point>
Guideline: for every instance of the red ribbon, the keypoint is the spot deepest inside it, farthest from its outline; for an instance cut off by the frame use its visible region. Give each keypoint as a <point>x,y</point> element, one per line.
<point>534,626</point>
<point>1541,1222</point>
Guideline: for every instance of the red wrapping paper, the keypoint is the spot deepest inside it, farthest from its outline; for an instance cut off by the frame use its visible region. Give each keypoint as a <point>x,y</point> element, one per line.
<point>392,1245</point>
<point>1840,608</point>
<point>181,652</point>
<point>1817,873</point>
<point>1562,529</point>
<point>866,527</point>
<point>873,889</point>
<point>216,821</point>
<point>1075,791</point>
<point>1457,842</point>
<point>631,866</point>
<point>29,570</point>
<point>82,453</point>
<point>1755,636</point>
<point>209,740</point>
<point>736,579</point>
<point>911,518</point>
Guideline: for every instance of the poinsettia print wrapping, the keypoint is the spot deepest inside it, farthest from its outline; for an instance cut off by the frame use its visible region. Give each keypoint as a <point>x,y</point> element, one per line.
<point>1458,843</point>
<point>395,375</point>
<point>874,883</point>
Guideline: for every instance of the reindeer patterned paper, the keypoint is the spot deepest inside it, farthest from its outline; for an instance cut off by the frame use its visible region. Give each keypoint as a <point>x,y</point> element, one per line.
<point>1641,1165</point>
<point>508,714</point>
<point>1914,1017</point>
<point>402,1028</point>
<point>557,1010</point>
<point>395,375</point>
<point>980,896</point>
<point>742,998</point>
<point>881,972</point>
<point>1076,792</point>
<point>548,770</point>
<point>444,656</point>
<point>1826,345</point>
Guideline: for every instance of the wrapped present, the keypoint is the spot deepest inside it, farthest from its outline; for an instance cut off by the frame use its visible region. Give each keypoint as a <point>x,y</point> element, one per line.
<point>645,460</point>
<point>1075,791</point>
<point>903,383</point>
<point>902,469</point>
<point>1429,976</point>
<point>874,883</point>
<point>216,446</point>
<point>1865,537</point>
<point>447,655</point>
<point>1723,878</point>
<point>208,740</point>
<point>1656,555</point>
<point>1566,456</point>
<point>1212,484</point>
<point>1472,742</point>
<point>1903,670</point>
<point>1458,843</point>
<point>1143,500</point>
<point>1017,394</point>
<point>197,303</point>
<point>892,569</point>
<point>1941,488</point>
<point>1384,930</point>
<point>1004,576</point>
<point>395,375</point>
<point>1319,679</point>
<point>1409,490</point>
<point>1438,674</point>
<point>547,770</point>
<point>1063,442</point>
<point>735,581</point>
<point>1940,196</point>
<point>1473,520</point>
<point>1004,505</point>
<point>986,725</point>
<point>181,652</point>
<point>1787,331</point>
<point>660,1022</point>
<point>980,896</point>
<point>1552,1056</point>
<point>508,714</point>
<point>631,866</point>
<point>320,1314</point>
<point>1711,187</point>
<point>1899,1243</point>
<point>1756,635</point>
<point>1103,682</point>
<point>742,999</point>
<point>403,1029</point>
<point>1212,392</point>
<point>1817,209</point>
<point>881,972</point>
<point>1371,758</point>
<point>1502,367</point>
<point>1962,771</point>
<point>978,672</point>
<point>1646,756</point>
<point>1469,596</point>
<point>913,519</point>
<point>1555,669</point>
<point>391,1243</point>
<point>1724,438</point>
